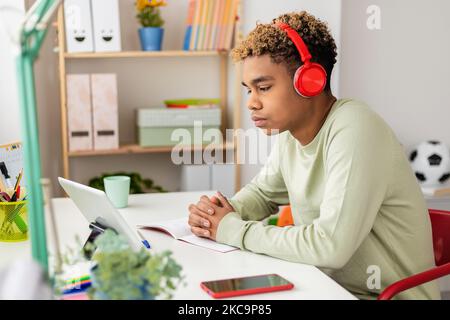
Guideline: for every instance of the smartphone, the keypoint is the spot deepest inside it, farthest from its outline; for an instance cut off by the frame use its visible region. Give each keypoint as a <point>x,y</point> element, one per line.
<point>247,285</point>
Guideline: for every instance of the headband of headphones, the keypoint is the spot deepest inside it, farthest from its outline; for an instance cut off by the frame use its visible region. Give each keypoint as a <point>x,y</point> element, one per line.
<point>298,41</point>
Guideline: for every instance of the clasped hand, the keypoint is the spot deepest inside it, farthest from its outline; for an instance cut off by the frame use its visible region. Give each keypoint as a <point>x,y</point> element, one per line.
<point>205,216</point>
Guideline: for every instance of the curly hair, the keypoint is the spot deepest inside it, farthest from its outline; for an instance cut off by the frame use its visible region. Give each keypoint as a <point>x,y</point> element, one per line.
<point>269,39</point>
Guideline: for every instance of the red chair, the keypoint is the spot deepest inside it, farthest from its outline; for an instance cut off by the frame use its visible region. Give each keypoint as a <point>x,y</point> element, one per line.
<point>440,222</point>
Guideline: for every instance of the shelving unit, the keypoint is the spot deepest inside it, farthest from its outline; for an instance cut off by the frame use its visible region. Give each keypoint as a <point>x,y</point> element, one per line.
<point>144,54</point>
<point>134,149</point>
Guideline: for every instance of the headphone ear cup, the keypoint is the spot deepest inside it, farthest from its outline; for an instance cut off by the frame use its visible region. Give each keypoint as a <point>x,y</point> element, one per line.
<point>310,80</point>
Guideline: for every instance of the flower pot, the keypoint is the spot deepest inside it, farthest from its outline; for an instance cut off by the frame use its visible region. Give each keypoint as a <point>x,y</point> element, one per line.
<point>151,38</point>
<point>141,294</point>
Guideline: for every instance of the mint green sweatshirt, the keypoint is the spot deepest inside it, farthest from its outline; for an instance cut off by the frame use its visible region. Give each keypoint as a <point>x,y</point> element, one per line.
<point>357,207</point>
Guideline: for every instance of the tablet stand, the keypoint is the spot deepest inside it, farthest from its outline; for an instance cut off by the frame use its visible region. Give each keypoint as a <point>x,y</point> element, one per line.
<point>97,229</point>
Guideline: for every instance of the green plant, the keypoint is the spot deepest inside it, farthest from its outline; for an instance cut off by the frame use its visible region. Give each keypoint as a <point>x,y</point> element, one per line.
<point>149,14</point>
<point>138,185</point>
<point>120,273</point>
<point>123,274</point>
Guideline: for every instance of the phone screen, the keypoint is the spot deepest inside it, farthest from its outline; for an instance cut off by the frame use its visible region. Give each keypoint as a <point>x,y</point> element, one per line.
<point>237,284</point>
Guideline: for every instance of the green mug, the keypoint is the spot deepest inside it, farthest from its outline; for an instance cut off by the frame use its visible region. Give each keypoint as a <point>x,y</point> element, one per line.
<point>117,189</point>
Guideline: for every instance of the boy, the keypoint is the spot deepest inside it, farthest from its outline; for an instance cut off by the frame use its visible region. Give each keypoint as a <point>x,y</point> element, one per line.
<point>355,202</point>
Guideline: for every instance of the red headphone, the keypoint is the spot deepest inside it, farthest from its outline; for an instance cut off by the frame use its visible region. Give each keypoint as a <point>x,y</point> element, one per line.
<point>311,78</point>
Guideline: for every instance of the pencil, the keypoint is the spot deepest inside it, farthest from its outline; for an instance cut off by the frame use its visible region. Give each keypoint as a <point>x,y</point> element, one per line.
<point>2,185</point>
<point>18,180</point>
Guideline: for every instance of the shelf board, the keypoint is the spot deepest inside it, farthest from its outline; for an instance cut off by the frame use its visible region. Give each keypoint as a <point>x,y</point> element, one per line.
<point>144,54</point>
<point>136,149</point>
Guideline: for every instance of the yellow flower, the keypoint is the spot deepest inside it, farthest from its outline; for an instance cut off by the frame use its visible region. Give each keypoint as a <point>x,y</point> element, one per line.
<point>157,3</point>
<point>142,4</point>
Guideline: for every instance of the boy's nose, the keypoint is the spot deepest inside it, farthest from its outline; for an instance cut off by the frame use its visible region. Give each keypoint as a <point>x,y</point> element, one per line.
<point>254,104</point>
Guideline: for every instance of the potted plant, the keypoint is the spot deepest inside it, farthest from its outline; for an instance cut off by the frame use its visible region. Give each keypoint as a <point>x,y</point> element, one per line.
<point>120,273</point>
<point>151,34</point>
<point>138,185</point>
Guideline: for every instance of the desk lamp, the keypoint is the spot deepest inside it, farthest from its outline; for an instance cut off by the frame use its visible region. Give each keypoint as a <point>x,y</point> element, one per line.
<point>30,37</point>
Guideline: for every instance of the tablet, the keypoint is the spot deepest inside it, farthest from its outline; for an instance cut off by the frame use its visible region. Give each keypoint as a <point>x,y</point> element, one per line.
<point>246,285</point>
<point>96,207</point>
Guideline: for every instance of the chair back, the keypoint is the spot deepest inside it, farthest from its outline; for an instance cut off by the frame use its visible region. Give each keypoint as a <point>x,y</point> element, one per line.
<point>440,223</point>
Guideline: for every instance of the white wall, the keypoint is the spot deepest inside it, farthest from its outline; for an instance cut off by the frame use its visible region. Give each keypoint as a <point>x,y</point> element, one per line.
<point>264,11</point>
<point>402,70</point>
<point>9,103</point>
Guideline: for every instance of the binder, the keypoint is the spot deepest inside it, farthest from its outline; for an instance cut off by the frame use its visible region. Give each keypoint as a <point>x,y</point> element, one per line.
<point>105,111</point>
<point>106,17</point>
<point>78,26</point>
<point>79,112</point>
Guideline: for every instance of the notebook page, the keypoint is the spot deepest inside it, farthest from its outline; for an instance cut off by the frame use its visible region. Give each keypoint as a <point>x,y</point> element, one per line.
<point>207,243</point>
<point>176,228</point>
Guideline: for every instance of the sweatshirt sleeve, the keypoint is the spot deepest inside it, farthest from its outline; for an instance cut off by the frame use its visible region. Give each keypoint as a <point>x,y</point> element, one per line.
<point>265,193</point>
<point>358,162</point>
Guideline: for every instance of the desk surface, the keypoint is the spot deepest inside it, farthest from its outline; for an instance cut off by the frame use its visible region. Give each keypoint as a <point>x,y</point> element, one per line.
<point>199,264</point>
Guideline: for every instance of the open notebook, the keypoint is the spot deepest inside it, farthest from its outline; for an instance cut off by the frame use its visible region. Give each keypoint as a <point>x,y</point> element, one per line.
<point>180,230</point>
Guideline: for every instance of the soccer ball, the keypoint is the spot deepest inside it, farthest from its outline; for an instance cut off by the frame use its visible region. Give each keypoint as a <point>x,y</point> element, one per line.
<point>431,163</point>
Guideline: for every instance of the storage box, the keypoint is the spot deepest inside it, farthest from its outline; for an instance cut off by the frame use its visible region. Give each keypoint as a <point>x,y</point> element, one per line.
<point>158,127</point>
<point>78,22</point>
<point>106,21</point>
<point>79,112</point>
<point>105,111</point>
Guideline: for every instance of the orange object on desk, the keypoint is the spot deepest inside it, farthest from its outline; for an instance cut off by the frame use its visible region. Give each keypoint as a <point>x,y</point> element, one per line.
<point>285,218</point>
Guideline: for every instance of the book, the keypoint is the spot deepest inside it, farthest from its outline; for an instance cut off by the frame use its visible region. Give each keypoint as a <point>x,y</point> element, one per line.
<point>436,191</point>
<point>180,230</point>
<point>202,27</point>
<point>195,25</point>
<point>215,23</point>
<point>189,24</point>
<point>222,25</point>
<point>210,16</point>
<point>231,25</point>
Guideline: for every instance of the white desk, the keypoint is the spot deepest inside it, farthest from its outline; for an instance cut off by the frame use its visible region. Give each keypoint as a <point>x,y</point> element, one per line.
<point>198,264</point>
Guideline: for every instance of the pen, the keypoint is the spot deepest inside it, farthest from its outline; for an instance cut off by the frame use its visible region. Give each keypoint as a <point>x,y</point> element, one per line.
<point>14,197</point>
<point>5,173</point>
<point>144,241</point>
<point>18,180</point>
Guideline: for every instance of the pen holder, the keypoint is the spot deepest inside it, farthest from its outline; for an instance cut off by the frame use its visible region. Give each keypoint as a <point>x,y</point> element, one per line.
<point>13,221</point>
